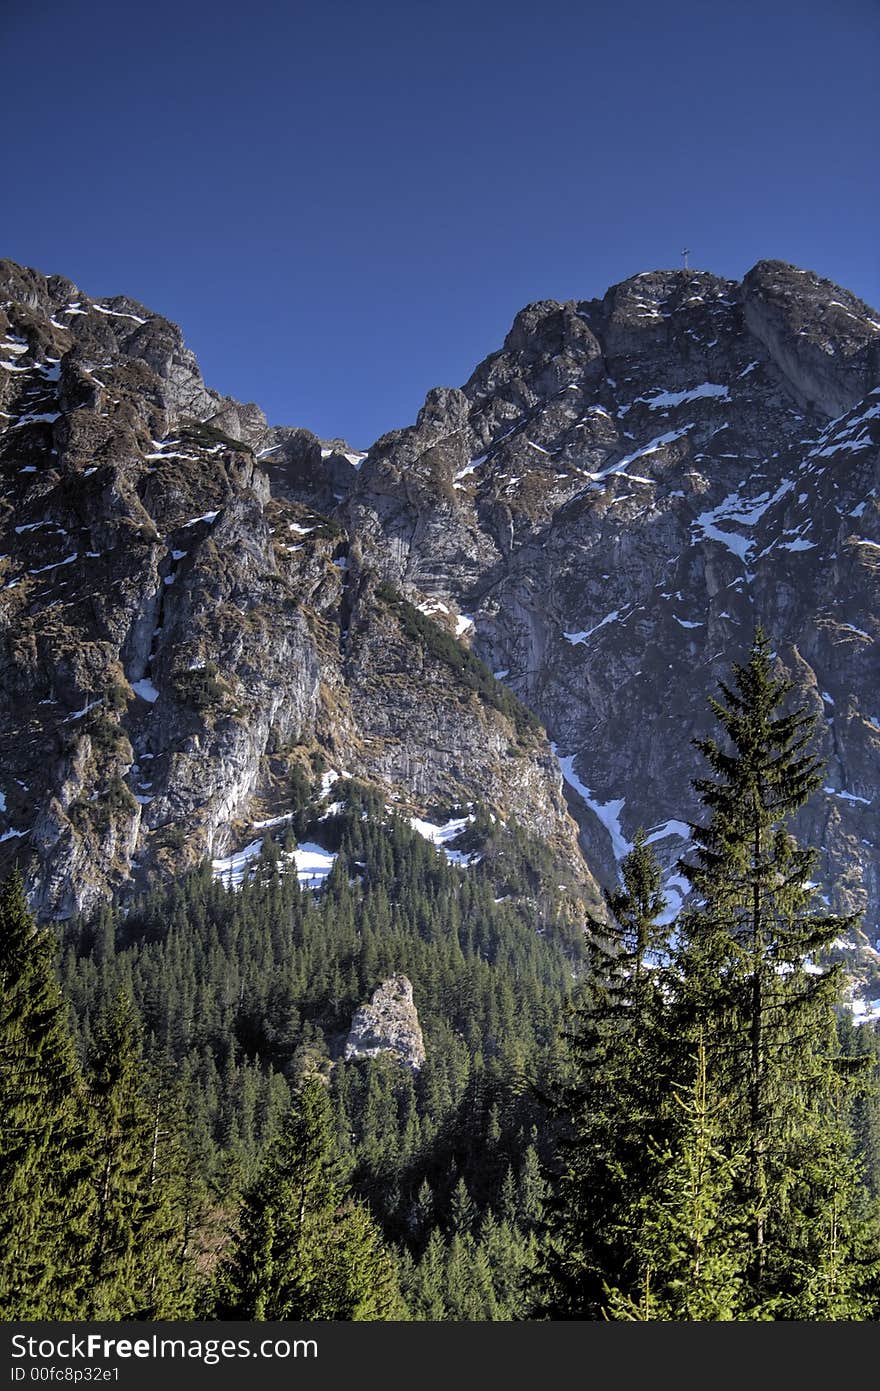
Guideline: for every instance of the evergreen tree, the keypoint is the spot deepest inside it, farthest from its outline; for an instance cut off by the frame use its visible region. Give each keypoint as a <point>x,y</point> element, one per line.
<point>688,1265</point>
<point>462,1212</point>
<point>305,1249</point>
<point>708,1168</point>
<point>608,1102</point>
<point>46,1204</point>
<point>139,1267</point>
<point>750,985</point>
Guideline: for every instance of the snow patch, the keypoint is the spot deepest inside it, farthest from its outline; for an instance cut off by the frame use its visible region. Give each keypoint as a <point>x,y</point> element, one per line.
<point>331,777</point>
<point>55,564</point>
<point>676,889</point>
<point>738,511</point>
<point>313,864</point>
<point>470,468</point>
<point>607,812</point>
<point>651,448</point>
<point>78,714</point>
<point>669,828</point>
<point>847,796</point>
<point>442,835</point>
<point>113,313</point>
<point>665,399</point>
<point>576,638</point>
<point>146,690</point>
<point>234,868</point>
<point>273,821</point>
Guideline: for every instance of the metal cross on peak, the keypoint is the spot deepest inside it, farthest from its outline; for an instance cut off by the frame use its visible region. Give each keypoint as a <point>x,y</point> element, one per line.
<point>685,255</point>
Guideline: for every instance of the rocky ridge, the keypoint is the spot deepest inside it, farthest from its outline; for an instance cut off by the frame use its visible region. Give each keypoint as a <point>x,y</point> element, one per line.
<point>187,638</point>
<point>618,495</point>
<point>196,604</point>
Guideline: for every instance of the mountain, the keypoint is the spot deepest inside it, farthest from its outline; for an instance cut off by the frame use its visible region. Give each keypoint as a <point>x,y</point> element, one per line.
<point>192,651</point>
<point>206,618</point>
<point>618,495</point>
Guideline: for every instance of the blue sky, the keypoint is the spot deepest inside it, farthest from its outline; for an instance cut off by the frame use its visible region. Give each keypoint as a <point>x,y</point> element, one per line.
<point>344,204</point>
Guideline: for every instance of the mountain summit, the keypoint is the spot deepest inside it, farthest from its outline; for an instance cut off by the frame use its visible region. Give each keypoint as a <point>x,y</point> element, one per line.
<point>202,615</point>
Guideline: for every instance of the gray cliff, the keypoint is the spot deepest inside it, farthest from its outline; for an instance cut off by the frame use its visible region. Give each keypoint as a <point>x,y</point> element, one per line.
<point>193,603</point>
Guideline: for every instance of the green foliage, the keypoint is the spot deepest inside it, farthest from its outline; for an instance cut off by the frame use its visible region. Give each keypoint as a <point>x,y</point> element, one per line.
<point>707,1150</point>
<point>607,1097</point>
<point>117,696</point>
<point>202,688</point>
<point>138,1263</point>
<point>105,733</point>
<point>304,1249</point>
<point>682,1223</point>
<point>751,983</point>
<point>205,435</point>
<point>247,991</point>
<point>47,1208</point>
<point>708,1167</point>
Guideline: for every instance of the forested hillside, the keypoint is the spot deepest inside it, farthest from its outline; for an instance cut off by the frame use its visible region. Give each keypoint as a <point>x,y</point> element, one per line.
<point>626,1118</point>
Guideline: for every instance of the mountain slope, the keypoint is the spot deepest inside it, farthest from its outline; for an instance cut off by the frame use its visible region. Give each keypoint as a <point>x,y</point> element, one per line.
<point>185,649</point>
<point>619,494</point>
<point>197,608</point>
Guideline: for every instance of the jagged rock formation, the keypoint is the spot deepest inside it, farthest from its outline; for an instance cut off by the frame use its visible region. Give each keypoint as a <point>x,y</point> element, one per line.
<point>193,603</point>
<point>619,494</point>
<point>388,1024</point>
<point>182,630</point>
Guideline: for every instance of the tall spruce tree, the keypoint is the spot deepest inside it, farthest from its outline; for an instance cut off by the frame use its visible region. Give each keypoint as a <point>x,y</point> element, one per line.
<point>305,1249</point>
<point>607,1102</point>
<point>139,1264</point>
<point>708,1170</point>
<point>750,985</point>
<point>689,1267</point>
<point>46,1201</point>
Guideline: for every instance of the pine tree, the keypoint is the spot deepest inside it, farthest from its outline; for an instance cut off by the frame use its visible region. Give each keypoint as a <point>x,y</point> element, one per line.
<point>749,984</point>
<point>177,1196</point>
<point>608,1102</point>
<point>139,1265</point>
<point>708,1170</point>
<point>305,1250</point>
<point>689,1267</point>
<point>46,1205</point>
<point>462,1212</point>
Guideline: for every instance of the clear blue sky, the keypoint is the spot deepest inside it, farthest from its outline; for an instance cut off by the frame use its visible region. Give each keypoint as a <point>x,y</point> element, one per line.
<point>344,203</point>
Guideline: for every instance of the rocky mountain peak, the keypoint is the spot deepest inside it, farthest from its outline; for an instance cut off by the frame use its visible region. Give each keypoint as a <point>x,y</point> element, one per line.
<point>188,628</point>
<point>640,480</point>
<point>195,608</point>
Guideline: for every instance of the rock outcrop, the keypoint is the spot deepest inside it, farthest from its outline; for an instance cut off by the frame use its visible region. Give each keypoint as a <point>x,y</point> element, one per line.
<point>388,1024</point>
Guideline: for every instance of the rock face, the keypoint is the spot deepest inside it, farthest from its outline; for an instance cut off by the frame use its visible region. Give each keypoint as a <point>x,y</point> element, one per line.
<point>388,1024</point>
<point>193,605</point>
<point>618,495</point>
<point>184,631</point>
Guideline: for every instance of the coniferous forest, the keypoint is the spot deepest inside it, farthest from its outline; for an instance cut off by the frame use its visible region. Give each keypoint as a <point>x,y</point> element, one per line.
<point>622,1119</point>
